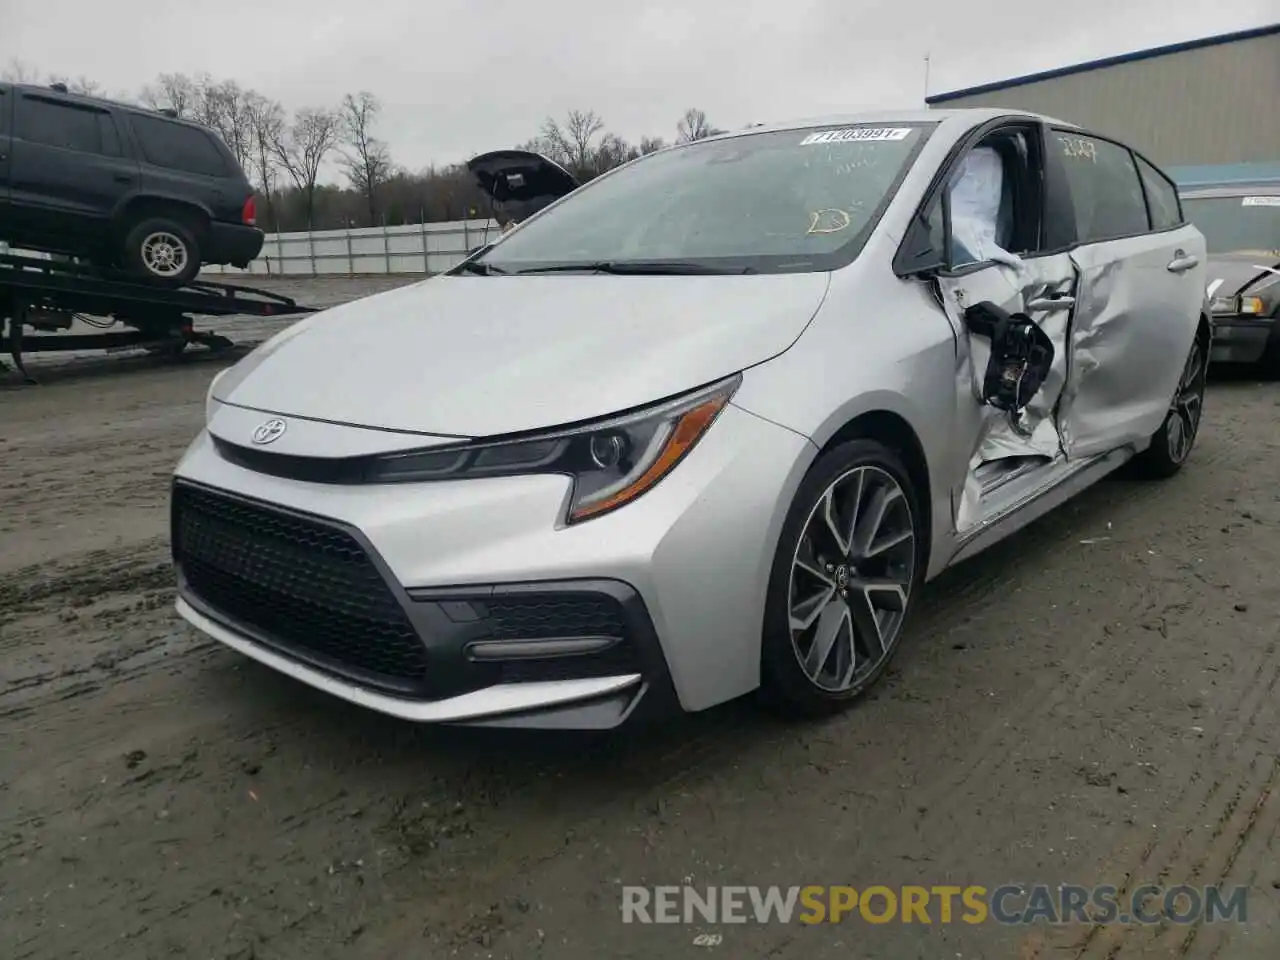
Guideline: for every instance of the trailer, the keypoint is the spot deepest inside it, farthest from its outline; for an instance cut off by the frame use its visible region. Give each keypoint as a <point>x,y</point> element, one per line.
<point>48,295</point>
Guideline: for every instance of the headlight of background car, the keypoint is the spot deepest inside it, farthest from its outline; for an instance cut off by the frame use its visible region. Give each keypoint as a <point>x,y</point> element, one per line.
<point>1251,306</point>
<point>612,462</point>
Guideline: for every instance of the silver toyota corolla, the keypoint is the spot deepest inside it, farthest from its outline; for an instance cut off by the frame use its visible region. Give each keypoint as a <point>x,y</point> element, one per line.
<point>701,426</point>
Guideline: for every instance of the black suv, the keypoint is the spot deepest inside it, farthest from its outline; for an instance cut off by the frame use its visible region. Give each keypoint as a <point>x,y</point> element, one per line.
<point>122,186</point>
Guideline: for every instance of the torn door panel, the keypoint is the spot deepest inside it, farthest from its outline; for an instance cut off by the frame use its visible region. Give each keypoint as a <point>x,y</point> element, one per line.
<point>1042,291</point>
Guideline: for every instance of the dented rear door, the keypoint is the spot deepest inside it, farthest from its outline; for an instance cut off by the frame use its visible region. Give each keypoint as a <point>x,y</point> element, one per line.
<point>1137,304</point>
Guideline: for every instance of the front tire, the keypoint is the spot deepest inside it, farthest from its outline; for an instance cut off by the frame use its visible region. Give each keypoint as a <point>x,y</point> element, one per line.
<point>1171,444</point>
<point>162,250</point>
<point>843,580</point>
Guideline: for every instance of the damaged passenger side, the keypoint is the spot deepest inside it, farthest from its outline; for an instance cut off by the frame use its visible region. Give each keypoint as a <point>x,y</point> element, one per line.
<point>982,246</point>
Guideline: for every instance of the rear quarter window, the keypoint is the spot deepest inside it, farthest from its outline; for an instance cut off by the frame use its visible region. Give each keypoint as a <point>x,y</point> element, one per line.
<point>1162,196</point>
<point>177,146</point>
<point>1107,198</point>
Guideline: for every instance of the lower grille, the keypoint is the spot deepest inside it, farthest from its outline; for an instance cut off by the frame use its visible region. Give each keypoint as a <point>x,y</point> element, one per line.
<point>544,616</point>
<point>299,583</point>
<point>538,616</point>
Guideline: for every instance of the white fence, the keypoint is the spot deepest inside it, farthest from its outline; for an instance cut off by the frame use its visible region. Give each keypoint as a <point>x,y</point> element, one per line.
<point>417,248</point>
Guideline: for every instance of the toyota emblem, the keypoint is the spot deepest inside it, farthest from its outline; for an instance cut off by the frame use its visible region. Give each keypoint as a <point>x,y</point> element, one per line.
<point>270,431</point>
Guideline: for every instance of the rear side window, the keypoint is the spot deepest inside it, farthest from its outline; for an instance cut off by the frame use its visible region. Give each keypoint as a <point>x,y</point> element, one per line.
<point>1106,192</point>
<point>61,125</point>
<point>1162,197</point>
<point>5,101</point>
<point>178,146</point>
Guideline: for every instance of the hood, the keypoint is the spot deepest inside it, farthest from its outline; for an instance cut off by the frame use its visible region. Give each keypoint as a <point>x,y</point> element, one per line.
<point>520,182</point>
<point>480,356</point>
<point>1255,274</point>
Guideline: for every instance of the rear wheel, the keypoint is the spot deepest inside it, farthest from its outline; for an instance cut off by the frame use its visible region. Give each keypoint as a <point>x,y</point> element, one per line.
<point>842,582</point>
<point>1171,444</point>
<point>162,250</point>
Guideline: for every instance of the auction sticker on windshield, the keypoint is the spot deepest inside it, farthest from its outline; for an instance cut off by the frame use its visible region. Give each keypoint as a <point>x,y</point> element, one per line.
<point>1261,202</point>
<point>857,135</point>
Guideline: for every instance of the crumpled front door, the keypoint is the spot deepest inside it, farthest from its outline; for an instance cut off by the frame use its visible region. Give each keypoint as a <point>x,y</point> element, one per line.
<point>1043,290</point>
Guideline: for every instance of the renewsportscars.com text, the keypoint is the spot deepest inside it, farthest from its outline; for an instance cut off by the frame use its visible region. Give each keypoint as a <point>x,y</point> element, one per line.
<point>1008,904</point>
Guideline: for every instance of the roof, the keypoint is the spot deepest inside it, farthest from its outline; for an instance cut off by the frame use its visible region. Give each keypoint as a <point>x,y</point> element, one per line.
<point>1105,62</point>
<point>49,90</point>
<point>914,115</point>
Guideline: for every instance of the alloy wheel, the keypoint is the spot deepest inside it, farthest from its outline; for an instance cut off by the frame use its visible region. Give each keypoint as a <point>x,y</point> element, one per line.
<point>1188,402</point>
<point>851,578</point>
<point>164,254</point>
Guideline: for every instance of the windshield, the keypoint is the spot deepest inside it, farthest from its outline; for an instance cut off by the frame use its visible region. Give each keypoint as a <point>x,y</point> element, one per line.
<point>791,200</point>
<point>1243,224</point>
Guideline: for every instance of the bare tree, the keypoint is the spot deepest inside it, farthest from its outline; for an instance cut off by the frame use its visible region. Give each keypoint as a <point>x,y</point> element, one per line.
<point>228,106</point>
<point>302,148</point>
<point>367,161</point>
<point>266,129</point>
<point>81,84</point>
<point>612,151</point>
<point>650,145</point>
<point>572,143</point>
<point>694,126</point>
<point>19,71</point>
<point>172,91</point>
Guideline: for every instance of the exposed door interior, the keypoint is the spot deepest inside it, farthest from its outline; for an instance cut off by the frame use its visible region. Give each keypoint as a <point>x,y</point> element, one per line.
<point>1010,303</point>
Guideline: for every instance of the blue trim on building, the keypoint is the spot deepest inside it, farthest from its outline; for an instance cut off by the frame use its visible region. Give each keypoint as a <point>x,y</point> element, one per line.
<point>1104,62</point>
<point>1225,173</point>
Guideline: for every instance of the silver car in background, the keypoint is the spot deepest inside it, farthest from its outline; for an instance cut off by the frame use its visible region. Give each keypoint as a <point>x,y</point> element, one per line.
<point>702,426</point>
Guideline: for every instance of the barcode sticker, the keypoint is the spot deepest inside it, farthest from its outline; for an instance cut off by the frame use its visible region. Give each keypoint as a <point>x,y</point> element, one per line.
<point>857,135</point>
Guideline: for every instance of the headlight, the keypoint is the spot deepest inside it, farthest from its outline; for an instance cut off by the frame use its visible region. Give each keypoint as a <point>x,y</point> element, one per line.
<point>612,462</point>
<point>1237,305</point>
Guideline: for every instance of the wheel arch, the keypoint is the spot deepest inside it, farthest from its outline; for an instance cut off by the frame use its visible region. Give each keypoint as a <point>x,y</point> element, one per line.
<point>892,429</point>
<point>136,208</point>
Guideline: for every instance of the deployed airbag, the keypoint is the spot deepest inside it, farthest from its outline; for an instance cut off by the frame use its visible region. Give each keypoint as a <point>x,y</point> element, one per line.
<point>975,209</point>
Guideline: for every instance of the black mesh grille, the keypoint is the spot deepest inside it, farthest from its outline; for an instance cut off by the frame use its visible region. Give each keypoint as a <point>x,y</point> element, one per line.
<point>538,617</point>
<point>300,583</point>
<point>555,615</point>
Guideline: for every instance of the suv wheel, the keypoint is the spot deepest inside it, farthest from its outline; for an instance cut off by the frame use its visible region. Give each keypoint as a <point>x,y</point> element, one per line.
<point>162,250</point>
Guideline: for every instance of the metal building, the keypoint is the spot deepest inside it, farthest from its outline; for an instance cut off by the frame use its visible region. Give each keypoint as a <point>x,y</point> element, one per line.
<point>1205,102</point>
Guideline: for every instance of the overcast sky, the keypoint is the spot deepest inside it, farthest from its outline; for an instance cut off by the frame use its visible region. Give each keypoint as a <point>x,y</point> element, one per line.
<point>461,76</point>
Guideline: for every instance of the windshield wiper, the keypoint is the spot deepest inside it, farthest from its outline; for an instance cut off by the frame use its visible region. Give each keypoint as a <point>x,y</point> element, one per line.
<point>640,268</point>
<point>480,268</point>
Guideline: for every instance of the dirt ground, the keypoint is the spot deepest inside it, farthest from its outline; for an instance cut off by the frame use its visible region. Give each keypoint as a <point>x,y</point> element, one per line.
<point>1093,702</point>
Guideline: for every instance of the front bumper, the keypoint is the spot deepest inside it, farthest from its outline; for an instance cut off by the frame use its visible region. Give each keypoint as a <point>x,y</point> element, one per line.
<point>1241,339</point>
<point>674,581</point>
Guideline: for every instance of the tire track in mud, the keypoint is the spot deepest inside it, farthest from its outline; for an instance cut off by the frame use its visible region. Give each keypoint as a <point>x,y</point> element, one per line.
<point>1213,814</point>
